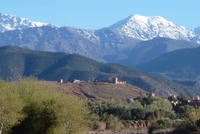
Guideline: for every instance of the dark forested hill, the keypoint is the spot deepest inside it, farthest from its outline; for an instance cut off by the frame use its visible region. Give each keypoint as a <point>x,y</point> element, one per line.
<point>146,51</point>
<point>180,64</point>
<point>16,63</point>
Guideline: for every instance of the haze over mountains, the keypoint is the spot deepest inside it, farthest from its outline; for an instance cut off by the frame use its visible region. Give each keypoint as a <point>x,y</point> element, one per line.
<point>181,64</point>
<point>16,62</point>
<point>135,26</point>
<point>117,43</point>
<point>133,40</point>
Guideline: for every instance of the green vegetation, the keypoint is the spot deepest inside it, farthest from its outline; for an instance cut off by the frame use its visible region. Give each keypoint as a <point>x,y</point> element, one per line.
<point>175,65</point>
<point>190,120</point>
<point>17,63</point>
<point>33,107</point>
<point>10,106</point>
<point>36,107</point>
<point>154,48</point>
<point>117,114</point>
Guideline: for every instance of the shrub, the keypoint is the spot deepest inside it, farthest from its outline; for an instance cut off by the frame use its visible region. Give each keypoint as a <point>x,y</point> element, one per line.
<point>160,124</point>
<point>48,111</point>
<point>113,123</point>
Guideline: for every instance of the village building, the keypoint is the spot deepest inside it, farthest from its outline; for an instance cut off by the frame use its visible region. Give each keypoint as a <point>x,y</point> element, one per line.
<point>193,102</point>
<point>60,81</point>
<point>115,81</point>
<point>76,81</point>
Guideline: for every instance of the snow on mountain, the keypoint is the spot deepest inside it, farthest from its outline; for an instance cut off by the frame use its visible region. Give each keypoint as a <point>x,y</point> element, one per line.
<point>145,28</point>
<point>10,22</point>
<point>197,30</point>
<point>103,45</point>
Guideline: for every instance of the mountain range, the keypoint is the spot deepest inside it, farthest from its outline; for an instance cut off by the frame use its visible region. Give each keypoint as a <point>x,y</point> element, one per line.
<point>131,41</point>
<point>145,28</point>
<point>124,42</point>
<point>16,63</point>
<point>146,51</point>
<point>11,22</point>
<point>179,65</point>
<point>135,26</point>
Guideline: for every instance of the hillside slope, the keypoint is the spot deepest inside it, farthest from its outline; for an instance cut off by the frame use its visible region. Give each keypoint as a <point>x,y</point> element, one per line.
<point>100,90</point>
<point>180,64</point>
<point>16,63</point>
<point>145,51</point>
<point>102,45</point>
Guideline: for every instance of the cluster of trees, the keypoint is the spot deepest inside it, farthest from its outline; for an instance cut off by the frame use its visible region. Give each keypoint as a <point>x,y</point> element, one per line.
<point>157,111</point>
<point>33,107</point>
<point>143,108</point>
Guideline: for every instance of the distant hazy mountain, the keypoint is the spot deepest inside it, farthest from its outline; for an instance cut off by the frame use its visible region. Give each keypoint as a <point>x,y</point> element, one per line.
<point>180,65</point>
<point>11,22</point>
<point>102,45</point>
<point>145,51</point>
<point>16,63</point>
<point>116,44</point>
<point>145,28</point>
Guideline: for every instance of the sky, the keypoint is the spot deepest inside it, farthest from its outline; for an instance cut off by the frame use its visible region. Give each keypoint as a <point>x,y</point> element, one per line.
<point>96,14</point>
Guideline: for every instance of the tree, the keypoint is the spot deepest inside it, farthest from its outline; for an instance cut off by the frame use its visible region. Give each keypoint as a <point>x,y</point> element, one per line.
<point>191,120</point>
<point>10,106</point>
<point>138,113</point>
<point>172,98</point>
<point>71,113</point>
<point>159,103</point>
<point>48,110</point>
<point>182,97</point>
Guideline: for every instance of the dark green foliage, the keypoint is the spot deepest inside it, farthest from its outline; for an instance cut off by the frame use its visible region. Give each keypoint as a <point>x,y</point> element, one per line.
<point>176,65</point>
<point>189,123</point>
<point>146,100</point>
<point>198,123</point>
<point>184,127</point>
<point>16,63</point>
<point>138,114</point>
<point>47,111</point>
<point>159,114</point>
<point>38,120</point>
<point>181,97</point>
<point>120,112</point>
<point>172,98</point>
<point>164,123</point>
<point>181,110</point>
<point>113,122</point>
<point>115,108</point>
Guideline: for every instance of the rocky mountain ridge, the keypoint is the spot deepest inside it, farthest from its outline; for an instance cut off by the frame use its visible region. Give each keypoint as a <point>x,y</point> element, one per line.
<point>145,28</point>
<point>11,22</point>
<point>103,45</point>
<point>110,44</point>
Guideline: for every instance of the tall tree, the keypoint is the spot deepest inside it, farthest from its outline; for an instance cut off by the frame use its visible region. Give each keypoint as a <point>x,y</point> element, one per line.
<point>48,111</point>
<point>72,115</point>
<point>10,106</point>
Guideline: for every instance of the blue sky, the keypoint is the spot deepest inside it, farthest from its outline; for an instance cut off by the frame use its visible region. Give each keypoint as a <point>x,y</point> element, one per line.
<point>96,14</point>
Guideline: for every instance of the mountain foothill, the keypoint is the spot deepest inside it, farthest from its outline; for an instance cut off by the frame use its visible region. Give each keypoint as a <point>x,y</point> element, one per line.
<point>164,53</point>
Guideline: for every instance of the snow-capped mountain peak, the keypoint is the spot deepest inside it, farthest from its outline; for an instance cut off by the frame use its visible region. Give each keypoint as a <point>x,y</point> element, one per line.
<point>137,17</point>
<point>149,27</point>
<point>197,30</point>
<point>10,22</point>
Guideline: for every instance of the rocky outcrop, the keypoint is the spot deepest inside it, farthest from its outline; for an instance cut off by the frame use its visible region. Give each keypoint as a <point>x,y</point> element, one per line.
<point>139,124</point>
